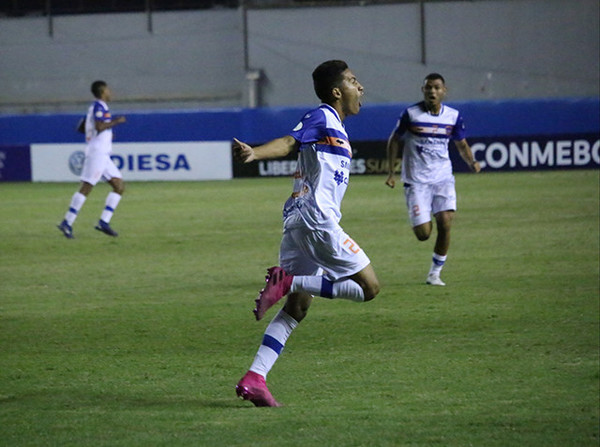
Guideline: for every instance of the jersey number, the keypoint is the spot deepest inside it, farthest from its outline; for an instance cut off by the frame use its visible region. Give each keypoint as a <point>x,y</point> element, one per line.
<point>352,246</point>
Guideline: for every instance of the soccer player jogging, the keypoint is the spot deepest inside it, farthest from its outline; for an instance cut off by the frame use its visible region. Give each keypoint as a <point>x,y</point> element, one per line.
<point>97,163</point>
<point>316,256</point>
<point>420,139</point>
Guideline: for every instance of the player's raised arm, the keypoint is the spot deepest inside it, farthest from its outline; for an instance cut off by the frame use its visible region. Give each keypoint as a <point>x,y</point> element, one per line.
<point>277,148</point>
<point>467,155</point>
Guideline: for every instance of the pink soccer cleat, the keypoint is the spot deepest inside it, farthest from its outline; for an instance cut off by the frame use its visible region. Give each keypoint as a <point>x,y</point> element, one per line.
<point>278,285</point>
<point>253,387</point>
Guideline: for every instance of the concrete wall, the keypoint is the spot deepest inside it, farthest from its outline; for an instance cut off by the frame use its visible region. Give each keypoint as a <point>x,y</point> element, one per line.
<point>486,50</point>
<point>188,60</point>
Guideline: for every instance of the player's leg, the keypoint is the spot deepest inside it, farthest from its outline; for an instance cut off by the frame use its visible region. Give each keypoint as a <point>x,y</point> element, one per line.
<point>359,287</point>
<point>444,206</point>
<point>349,273</point>
<point>442,243</point>
<point>367,280</point>
<point>85,188</point>
<point>443,221</point>
<point>423,231</point>
<point>418,204</point>
<point>253,385</point>
<point>118,185</point>
<point>113,198</point>
<point>90,174</point>
<point>77,202</point>
<point>297,304</point>
<point>279,330</point>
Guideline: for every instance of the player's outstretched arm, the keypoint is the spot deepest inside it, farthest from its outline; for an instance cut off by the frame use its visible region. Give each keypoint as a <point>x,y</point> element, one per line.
<point>277,148</point>
<point>467,155</point>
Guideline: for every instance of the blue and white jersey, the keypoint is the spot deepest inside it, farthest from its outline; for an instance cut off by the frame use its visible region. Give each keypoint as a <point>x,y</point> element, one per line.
<point>426,137</point>
<point>323,168</point>
<point>96,141</point>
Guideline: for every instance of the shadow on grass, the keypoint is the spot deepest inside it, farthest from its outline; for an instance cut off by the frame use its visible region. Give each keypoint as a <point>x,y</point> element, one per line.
<point>65,400</point>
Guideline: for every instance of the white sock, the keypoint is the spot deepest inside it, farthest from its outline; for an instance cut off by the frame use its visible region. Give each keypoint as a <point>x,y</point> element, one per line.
<point>437,264</point>
<point>276,334</point>
<point>77,202</point>
<point>321,286</point>
<point>112,200</point>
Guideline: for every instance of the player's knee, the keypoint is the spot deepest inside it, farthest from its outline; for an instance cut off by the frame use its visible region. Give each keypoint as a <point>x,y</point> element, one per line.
<point>422,232</point>
<point>444,220</point>
<point>422,236</point>
<point>85,188</point>
<point>119,188</point>
<point>371,291</point>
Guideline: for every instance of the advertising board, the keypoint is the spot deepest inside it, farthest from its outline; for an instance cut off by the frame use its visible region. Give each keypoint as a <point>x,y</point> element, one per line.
<point>15,163</point>
<point>196,160</point>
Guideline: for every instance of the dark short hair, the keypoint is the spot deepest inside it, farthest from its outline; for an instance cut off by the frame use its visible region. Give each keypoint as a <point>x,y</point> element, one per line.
<point>97,88</point>
<point>326,77</point>
<point>433,77</point>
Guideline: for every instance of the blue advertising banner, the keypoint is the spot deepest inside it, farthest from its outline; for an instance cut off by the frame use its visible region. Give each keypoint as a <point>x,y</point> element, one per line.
<point>571,151</point>
<point>534,134</point>
<point>505,153</point>
<point>15,164</point>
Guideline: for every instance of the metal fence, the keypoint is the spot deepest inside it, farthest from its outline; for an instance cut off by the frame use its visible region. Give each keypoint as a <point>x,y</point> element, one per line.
<point>28,8</point>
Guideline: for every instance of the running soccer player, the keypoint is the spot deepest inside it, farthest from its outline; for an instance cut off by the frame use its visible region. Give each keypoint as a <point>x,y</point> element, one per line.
<point>97,163</point>
<point>316,256</point>
<point>421,139</point>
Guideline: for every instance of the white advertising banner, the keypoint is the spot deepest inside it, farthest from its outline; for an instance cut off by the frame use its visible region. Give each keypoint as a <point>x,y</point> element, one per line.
<point>172,161</point>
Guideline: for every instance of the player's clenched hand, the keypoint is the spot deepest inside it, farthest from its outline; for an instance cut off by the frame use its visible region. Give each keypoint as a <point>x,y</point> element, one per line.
<point>475,167</point>
<point>242,152</point>
<point>391,181</point>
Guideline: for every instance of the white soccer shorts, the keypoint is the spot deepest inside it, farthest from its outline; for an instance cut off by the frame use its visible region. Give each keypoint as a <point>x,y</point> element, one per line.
<point>316,252</point>
<point>425,199</point>
<point>97,166</point>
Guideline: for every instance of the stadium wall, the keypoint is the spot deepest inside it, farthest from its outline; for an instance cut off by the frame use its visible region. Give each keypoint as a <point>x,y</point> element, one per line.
<point>487,50</point>
<point>195,145</point>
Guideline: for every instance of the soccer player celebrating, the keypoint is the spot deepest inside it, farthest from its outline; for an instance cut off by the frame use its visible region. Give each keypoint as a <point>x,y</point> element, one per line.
<point>420,140</point>
<point>316,256</point>
<point>97,163</point>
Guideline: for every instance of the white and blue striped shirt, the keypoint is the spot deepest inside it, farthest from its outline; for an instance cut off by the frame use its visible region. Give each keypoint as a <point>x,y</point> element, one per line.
<point>426,137</point>
<point>323,168</point>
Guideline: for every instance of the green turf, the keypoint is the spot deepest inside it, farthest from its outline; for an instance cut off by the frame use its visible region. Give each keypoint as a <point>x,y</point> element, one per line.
<point>139,340</point>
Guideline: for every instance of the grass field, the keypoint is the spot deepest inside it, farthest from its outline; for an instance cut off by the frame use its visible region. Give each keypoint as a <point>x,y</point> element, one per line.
<point>140,340</point>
